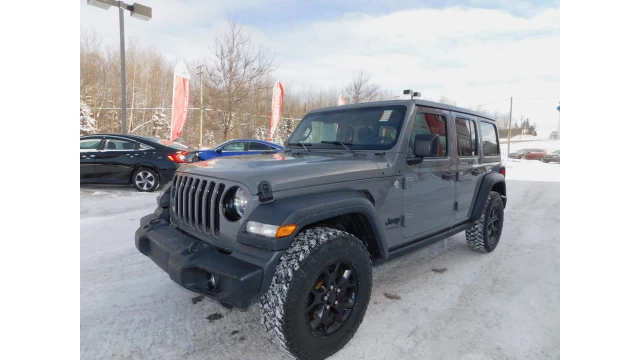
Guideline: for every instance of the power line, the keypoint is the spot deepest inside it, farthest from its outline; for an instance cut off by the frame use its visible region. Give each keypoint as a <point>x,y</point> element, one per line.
<point>549,98</point>
<point>492,103</point>
<point>499,101</point>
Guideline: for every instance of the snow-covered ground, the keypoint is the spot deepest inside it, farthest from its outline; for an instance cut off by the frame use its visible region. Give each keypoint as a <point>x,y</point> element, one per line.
<point>443,302</point>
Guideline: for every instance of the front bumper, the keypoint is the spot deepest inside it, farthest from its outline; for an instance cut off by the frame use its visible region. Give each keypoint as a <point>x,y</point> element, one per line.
<point>191,263</point>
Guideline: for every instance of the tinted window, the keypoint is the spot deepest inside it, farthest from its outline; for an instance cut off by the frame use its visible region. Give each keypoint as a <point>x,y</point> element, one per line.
<point>466,137</point>
<point>489,139</point>
<point>89,144</point>
<point>254,146</point>
<point>429,124</point>
<point>234,146</point>
<point>365,128</point>
<point>113,144</point>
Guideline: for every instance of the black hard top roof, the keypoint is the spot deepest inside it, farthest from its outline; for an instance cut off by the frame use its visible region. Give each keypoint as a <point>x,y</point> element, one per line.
<point>418,102</point>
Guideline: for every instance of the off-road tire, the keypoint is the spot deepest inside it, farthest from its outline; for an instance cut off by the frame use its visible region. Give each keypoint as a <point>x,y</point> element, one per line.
<point>147,173</point>
<point>477,235</point>
<point>283,307</point>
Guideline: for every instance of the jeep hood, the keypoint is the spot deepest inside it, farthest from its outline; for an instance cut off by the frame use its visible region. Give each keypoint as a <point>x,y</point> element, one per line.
<point>286,171</point>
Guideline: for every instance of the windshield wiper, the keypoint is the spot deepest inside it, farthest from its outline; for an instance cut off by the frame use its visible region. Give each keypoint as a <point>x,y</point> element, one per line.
<point>339,143</point>
<point>302,144</point>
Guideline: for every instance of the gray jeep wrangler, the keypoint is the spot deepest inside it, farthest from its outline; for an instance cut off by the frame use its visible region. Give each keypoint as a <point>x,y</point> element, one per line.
<point>299,231</point>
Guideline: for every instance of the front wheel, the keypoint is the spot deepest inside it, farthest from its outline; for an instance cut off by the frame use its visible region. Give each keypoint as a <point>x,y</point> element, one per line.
<point>485,233</point>
<point>145,180</point>
<point>319,293</point>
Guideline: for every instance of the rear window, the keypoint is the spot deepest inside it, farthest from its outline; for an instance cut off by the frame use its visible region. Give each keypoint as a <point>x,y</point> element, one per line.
<point>489,139</point>
<point>173,145</point>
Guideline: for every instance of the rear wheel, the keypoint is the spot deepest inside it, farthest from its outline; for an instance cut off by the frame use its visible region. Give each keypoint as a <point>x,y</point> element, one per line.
<point>145,179</point>
<point>319,294</point>
<point>485,233</point>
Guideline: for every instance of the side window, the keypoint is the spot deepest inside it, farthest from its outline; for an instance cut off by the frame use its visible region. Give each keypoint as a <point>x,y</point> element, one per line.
<point>122,145</point>
<point>89,144</point>
<point>489,139</point>
<point>429,124</point>
<point>234,146</point>
<point>466,137</point>
<point>145,147</point>
<point>256,146</point>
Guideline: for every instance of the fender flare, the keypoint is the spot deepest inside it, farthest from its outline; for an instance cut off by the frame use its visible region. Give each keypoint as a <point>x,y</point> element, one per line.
<point>305,210</point>
<point>487,184</point>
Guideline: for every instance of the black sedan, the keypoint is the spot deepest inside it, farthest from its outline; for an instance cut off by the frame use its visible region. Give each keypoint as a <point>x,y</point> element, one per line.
<point>142,161</point>
<point>553,157</point>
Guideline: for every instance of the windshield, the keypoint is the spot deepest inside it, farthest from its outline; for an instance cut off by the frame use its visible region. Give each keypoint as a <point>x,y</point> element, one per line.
<point>557,152</point>
<point>366,128</point>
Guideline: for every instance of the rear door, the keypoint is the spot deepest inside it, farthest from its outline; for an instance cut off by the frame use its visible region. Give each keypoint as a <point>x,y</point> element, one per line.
<point>117,159</point>
<point>469,170</point>
<point>88,151</point>
<point>255,147</point>
<point>428,184</point>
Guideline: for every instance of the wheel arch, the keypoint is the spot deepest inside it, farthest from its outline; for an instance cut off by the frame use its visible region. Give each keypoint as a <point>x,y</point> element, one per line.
<point>490,182</point>
<point>350,211</point>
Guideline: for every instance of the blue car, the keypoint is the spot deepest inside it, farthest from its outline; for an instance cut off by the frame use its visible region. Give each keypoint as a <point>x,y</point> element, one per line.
<point>236,147</point>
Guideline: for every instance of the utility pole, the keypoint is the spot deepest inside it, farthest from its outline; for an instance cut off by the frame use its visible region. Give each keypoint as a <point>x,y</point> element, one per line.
<point>201,105</point>
<point>521,127</point>
<point>509,139</point>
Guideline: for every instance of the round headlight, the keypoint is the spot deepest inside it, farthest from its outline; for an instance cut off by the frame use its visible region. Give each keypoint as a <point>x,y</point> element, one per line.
<point>239,202</point>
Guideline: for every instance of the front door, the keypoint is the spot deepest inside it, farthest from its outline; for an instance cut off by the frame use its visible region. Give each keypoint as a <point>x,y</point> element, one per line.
<point>428,185</point>
<point>468,165</point>
<point>234,148</point>
<point>116,160</point>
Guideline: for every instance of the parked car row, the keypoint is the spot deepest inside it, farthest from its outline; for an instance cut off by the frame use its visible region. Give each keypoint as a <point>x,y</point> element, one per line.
<point>235,147</point>
<point>536,154</point>
<point>553,157</point>
<point>148,162</point>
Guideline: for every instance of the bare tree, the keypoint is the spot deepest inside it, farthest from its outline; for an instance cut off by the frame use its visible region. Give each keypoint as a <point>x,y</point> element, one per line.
<point>237,66</point>
<point>360,89</point>
<point>445,100</point>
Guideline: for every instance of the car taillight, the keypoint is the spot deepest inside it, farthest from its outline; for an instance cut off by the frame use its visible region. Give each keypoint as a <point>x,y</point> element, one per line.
<point>178,157</point>
<point>503,171</point>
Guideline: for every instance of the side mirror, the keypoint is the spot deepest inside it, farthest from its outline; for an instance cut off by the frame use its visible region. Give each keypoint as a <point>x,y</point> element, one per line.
<point>218,150</point>
<point>426,145</point>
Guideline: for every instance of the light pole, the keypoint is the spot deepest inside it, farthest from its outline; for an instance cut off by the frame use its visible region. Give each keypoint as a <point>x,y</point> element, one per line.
<point>139,12</point>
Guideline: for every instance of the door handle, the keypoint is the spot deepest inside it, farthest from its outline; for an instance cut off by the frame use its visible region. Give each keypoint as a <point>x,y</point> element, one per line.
<point>476,172</point>
<point>448,176</point>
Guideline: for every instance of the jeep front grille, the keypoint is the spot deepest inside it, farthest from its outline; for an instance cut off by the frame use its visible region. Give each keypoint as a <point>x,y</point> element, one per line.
<point>195,202</point>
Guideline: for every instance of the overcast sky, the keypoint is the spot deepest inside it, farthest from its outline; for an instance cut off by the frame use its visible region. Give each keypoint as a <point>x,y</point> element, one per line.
<point>474,51</point>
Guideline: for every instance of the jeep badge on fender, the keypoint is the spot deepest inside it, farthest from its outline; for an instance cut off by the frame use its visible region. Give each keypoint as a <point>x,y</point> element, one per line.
<point>298,232</point>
